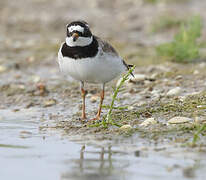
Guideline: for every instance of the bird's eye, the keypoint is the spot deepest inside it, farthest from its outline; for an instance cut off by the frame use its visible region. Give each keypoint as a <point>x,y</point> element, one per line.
<point>87,32</point>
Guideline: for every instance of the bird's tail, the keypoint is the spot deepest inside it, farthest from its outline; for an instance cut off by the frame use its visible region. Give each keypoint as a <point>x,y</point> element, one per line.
<point>128,66</point>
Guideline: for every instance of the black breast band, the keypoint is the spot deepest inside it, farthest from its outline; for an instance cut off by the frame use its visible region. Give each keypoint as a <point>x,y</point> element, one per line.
<point>78,52</point>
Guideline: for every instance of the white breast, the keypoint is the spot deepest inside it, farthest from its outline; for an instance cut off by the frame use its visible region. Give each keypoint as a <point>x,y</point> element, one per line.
<point>100,69</point>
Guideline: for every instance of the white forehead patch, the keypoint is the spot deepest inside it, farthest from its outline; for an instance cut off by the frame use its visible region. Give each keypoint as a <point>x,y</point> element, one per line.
<point>76,28</point>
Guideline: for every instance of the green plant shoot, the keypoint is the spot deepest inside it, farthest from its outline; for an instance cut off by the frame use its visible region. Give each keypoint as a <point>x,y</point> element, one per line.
<point>116,91</point>
<point>184,47</point>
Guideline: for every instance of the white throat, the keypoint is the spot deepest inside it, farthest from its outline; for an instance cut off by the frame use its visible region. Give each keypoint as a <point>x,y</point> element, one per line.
<point>81,41</point>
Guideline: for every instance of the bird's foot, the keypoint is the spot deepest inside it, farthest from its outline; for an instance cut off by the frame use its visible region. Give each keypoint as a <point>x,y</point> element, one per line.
<point>83,119</point>
<point>93,120</point>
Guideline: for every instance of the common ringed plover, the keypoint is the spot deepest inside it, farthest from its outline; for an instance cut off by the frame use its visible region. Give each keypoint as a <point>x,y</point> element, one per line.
<point>88,59</point>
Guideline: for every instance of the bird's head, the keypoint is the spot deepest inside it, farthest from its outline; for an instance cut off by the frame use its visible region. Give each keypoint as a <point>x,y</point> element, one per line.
<point>78,34</point>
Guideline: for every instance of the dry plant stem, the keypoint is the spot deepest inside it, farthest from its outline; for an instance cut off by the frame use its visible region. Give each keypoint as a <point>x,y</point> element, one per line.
<point>124,78</point>
<point>83,93</point>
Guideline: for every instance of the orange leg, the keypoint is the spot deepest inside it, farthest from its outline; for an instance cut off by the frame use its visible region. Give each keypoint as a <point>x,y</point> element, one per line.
<point>100,104</point>
<point>83,93</point>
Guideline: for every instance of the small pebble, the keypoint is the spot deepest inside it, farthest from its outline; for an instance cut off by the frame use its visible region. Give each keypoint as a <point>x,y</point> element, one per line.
<point>155,95</point>
<point>49,102</point>
<point>182,98</point>
<point>36,79</point>
<point>202,65</point>
<point>154,76</point>
<point>139,77</point>
<point>21,86</point>
<point>196,72</point>
<point>148,122</point>
<point>30,59</point>
<point>179,120</point>
<point>179,77</point>
<point>140,103</point>
<point>130,108</point>
<point>2,69</point>
<point>94,98</point>
<point>174,92</point>
<point>126,127</point>
<point>194,93</point>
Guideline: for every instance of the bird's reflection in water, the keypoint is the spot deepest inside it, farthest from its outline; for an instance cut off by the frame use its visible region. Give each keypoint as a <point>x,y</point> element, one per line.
<point>81,158</point>
<point>94,164</point>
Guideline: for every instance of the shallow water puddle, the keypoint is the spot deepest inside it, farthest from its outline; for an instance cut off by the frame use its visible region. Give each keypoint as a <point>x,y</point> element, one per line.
<point>27,153</point>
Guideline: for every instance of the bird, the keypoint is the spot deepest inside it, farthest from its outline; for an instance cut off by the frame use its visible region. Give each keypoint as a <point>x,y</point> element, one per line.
<point>87,58</point>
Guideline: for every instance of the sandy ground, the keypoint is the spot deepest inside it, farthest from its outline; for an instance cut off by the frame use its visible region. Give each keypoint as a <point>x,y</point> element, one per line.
<point>31,38</point>
<point>31,33</point>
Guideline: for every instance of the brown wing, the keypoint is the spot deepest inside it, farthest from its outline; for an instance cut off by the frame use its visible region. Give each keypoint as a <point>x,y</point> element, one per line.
<point>107,48</point>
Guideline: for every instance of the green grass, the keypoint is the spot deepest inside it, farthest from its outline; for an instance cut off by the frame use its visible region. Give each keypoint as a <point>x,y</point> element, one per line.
<point>166,22</point>
<point>176,107</point>
<point>116,91</point>
<point>201,129</point>
<point>185,46</point>
<point>108,120</point>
